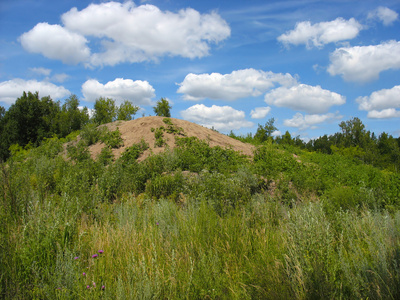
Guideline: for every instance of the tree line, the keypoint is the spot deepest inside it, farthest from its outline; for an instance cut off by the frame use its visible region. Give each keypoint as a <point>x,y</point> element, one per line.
<point>353,140</point>
<point>31,119</point>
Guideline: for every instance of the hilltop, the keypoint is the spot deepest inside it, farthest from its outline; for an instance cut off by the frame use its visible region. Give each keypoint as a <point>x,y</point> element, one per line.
<point>134,131</point>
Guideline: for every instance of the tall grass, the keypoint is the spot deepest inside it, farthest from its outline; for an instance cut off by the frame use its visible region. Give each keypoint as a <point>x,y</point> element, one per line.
<point>171,228</point>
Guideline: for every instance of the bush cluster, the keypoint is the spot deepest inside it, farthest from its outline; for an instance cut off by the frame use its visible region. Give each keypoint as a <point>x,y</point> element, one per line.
<point>195,222</point>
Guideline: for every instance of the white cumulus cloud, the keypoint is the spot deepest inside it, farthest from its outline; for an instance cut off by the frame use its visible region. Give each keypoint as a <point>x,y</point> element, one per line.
<point>322,33</point>
<point>381,104</point>
<point>222,118</point>
<point>56,42</point>
<point>384,14</point>
<point>233,86</point>
<point>12,89</point>
<point>310,121</point>
<point>364,63</point>
<point>126,33</point>
<point>260,112</point>
<point>138,92</point>
<point>382,99</point>
<point>384,114</point>
<point>311,99</point>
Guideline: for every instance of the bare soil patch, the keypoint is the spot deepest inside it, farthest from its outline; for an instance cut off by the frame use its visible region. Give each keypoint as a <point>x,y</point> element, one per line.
<point>132,132</point>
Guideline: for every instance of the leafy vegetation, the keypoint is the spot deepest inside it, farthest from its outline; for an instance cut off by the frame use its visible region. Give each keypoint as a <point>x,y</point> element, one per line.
<point>30,120</point>
<point>296,221</point>
<point>196,222</point>
<point>162,108</point>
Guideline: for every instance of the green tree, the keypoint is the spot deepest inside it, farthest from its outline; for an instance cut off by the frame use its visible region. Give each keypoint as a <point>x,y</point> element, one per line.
<point>2,112</point>
<point>28,120</point>
<point>162,108</point>
<point>71,117</point>
<point>105,111</point>
<point>286,139</point>
<point>126,111</point>
<point>265,132</point>
<point>353,133</point>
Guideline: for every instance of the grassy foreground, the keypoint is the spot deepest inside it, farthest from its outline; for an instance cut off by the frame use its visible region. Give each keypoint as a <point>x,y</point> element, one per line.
<point>197,223</point>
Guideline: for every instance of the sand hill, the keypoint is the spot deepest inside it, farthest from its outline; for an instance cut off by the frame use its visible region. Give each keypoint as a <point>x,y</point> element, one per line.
<point>134,131</point>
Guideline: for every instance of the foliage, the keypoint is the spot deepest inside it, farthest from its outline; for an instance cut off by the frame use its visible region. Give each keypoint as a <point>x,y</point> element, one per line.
<point>78,152</point>
<point>132,153</point>
<point>126,110</point>
<point>106,156</point>
<point>197,222</point>
<point>265,132</point>
<point>159,134</point>
<point>30,119</point>
<point>90,134</point>
<point>162,108</point>
<point>71,117</point>
<point>112,139</point>
<point>105,111</point>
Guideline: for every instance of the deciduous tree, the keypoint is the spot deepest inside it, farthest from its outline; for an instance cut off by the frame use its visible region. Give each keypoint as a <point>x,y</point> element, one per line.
<point>126,111</point>
<point>105,111</point>
<point>162,108</point>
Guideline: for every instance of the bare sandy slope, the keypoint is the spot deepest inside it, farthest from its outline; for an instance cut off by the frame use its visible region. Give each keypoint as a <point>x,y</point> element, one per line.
<point>134,131</point>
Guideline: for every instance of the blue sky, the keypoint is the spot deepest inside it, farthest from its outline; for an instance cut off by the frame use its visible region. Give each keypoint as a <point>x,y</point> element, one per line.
<point>230,65</point>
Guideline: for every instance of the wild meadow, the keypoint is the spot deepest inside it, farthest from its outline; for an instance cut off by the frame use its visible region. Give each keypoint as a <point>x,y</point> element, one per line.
<point>196,222</point>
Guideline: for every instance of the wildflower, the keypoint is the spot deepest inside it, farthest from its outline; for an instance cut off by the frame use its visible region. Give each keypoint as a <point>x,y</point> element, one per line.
<point>157,223</point>
<point>94,283</point>
<point>76,257</point>
<point>103,287</point>
<point>88,286</point>
<point>83,274</point>
<point>101,251</point>
<point>94,255</point>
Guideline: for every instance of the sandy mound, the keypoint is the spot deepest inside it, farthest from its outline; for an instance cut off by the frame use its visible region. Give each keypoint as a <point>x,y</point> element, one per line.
<point>134,131</point>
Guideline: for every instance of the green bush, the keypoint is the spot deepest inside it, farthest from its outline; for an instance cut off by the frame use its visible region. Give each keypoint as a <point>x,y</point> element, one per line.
<point>79,152</point>
<point>112,139</point>
<point>106,156</point>
<point>131,154</point>
<point>165,186</point>
<point>91,134</point>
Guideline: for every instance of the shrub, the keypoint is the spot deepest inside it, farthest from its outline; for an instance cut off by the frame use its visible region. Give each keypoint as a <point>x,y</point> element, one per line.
<point>132,153</point>
<point>165,186</point>
<point>106,156</point>
<point>91,134</point>
<point>79,152</point>
<point>112,139</point>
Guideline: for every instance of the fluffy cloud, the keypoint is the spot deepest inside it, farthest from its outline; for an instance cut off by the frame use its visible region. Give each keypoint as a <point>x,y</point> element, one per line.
<point>381,104</point>
<point>138,92</point>
<point>222,118</point>
<point>260,112</point>
<point>309,121</point>
<point>311,99</point>
<point>233,86</point>
<point>386,98</point>
<point>127,33</point>
<point>322,33</point>
<point>384,14</point>
<point>364,63</point>
<point>384,114</point>
<point>12,89</point>
<point>56,42</point>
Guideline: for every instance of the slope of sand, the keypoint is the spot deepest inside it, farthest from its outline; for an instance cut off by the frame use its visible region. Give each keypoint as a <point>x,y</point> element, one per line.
<point>134,131</point>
